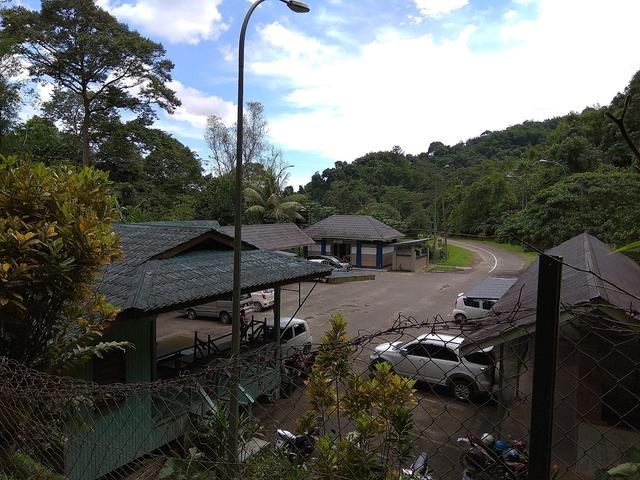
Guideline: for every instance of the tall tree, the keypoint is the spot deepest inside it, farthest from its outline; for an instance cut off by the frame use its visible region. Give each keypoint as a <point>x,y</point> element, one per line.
<point>9,88</point>
<point>256,148</point>
<point>85,51</point>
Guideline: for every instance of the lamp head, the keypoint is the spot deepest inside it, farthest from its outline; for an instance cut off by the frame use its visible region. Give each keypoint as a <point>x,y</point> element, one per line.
<point>297,6</point>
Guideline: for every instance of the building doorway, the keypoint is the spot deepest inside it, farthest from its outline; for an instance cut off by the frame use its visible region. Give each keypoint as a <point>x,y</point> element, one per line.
<point>342,250</point>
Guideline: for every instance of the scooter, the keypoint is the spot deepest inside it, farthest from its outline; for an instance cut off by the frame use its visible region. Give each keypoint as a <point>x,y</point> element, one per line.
<point>297,447</point>
<point>419,469</point>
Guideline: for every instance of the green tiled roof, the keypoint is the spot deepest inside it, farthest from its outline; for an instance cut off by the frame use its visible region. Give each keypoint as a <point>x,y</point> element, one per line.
<point>145,281</point>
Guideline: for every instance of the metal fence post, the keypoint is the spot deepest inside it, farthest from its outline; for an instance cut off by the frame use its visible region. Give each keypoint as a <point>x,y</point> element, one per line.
<point>544,366</point>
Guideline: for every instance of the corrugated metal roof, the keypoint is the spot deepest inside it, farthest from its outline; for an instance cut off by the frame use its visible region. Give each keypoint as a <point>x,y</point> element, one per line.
<point>272,236</point>
<point>515,312</point>
<point>353,227</point>
<point>167,265</point>
<point>491,287</point>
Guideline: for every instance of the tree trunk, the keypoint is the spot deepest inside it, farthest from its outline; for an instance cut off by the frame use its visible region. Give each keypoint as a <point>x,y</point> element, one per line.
<point>84,133</point>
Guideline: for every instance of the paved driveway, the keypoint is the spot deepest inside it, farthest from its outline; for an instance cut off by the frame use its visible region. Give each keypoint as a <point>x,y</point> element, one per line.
<point>368,306</point>
<point>374,305</point>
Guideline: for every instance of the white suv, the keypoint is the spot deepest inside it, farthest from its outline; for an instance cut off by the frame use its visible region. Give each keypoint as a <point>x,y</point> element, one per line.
<point>434,358</point>
<point>263,299</point>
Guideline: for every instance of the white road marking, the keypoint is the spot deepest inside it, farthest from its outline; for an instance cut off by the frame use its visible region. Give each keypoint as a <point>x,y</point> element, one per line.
<point>495,260</point>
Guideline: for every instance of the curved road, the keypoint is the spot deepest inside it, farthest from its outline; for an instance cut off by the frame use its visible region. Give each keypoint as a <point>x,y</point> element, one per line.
<point>374,305</point>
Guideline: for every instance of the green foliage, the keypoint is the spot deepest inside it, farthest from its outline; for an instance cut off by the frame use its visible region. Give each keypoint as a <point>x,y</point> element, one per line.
<point>267,204</point>
<point>488,183</point>
<point>603,204</point>
<point>385,213</point>
<point>97,63</point>
<point>378,407</point>
<point>18,465</point>
<point>483,205</point>
<point>55,237</point>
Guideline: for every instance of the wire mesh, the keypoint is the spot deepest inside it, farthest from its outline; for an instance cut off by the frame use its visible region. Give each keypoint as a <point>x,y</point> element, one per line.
<point>470,412</point>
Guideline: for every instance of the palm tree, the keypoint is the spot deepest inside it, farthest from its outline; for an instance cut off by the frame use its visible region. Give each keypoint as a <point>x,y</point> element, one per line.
<point>267,202</point>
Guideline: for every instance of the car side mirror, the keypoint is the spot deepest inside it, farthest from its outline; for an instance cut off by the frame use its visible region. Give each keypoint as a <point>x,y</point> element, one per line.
<point>403,352</point>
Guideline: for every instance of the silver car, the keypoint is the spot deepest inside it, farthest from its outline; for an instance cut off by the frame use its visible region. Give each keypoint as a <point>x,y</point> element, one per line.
<point>219,309</point>
<point>434,358</point>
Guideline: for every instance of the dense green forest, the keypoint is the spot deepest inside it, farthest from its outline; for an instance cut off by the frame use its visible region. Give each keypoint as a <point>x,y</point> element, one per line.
<point>541,182</point>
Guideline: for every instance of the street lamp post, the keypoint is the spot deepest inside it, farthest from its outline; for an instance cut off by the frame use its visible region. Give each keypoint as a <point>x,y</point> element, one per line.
<point>564,169</point>
<point>298,7</point>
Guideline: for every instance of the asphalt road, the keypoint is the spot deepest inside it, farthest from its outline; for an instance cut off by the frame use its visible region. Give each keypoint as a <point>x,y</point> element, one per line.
<point>374,305</point>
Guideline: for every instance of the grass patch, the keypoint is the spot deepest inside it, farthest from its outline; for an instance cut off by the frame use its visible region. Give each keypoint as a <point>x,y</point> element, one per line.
<point>528,256</point>
<point>458,257</point>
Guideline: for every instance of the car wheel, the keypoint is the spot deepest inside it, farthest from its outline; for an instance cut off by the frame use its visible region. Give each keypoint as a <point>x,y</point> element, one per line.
<point>257,306</point>
<point>460,318</point>
<point>225,317</point>
<point>461,388</point>
<point>191,314</point>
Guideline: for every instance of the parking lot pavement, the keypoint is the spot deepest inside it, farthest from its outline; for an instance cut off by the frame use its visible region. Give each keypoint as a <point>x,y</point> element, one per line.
<point>368,306</point>
<point>374,305</point>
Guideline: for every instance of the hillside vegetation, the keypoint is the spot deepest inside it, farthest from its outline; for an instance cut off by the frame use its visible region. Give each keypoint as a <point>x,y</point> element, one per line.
<point>496,184</point>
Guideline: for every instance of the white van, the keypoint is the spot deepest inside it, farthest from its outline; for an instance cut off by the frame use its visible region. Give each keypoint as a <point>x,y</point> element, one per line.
<point>481,298</point>
<point>294,332</point>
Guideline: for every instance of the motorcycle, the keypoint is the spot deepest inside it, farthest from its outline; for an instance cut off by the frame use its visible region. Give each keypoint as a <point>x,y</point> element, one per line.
<point>419,469</point>
<point>298,448</point>
<point>481,458</point>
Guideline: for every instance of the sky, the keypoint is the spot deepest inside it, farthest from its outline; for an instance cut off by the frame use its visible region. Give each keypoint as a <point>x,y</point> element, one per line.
<point>356,76</point>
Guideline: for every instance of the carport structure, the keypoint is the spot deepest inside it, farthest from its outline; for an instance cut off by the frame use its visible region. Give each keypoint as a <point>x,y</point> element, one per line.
<point>168,266</point>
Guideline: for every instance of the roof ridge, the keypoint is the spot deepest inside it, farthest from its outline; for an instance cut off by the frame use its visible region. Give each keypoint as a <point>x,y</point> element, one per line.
<point>375,226</point>
<point>594,268</point>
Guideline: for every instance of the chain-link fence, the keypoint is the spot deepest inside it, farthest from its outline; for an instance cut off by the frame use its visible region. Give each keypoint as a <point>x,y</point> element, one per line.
<point>359,408</point>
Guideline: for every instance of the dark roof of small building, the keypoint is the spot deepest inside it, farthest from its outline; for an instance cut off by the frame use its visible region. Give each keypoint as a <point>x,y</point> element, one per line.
<point>353,227</point>
<point>491,287</point>
<point>272,236</point>
<point>599,275</point>
<point>170,265</point>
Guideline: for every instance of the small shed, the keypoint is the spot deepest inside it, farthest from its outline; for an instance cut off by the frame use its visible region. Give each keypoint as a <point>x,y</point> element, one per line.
<point>361,239</point>
<point>410,255</point>
<point>597,413</point>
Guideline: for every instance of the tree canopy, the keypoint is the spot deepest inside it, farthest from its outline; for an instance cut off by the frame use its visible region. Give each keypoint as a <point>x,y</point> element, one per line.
<point>98,64</point>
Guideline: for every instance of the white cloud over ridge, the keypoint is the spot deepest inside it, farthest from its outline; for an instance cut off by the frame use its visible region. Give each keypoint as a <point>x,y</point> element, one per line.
<point>411,90</point>
<point>437,8</point>
<point>174,21</point>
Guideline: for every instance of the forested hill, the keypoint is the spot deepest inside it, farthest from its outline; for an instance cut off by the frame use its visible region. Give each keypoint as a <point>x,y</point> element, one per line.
<point>498,184</point>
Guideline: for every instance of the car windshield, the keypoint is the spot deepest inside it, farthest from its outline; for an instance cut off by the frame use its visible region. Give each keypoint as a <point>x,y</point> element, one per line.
<point>332,258</point>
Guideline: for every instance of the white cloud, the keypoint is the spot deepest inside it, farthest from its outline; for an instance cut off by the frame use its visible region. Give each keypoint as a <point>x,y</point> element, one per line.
<point>437,8</point>
<point>510,14</point>
<point>196,106</point>
<point>175,21</point>
<point>410,91</point>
